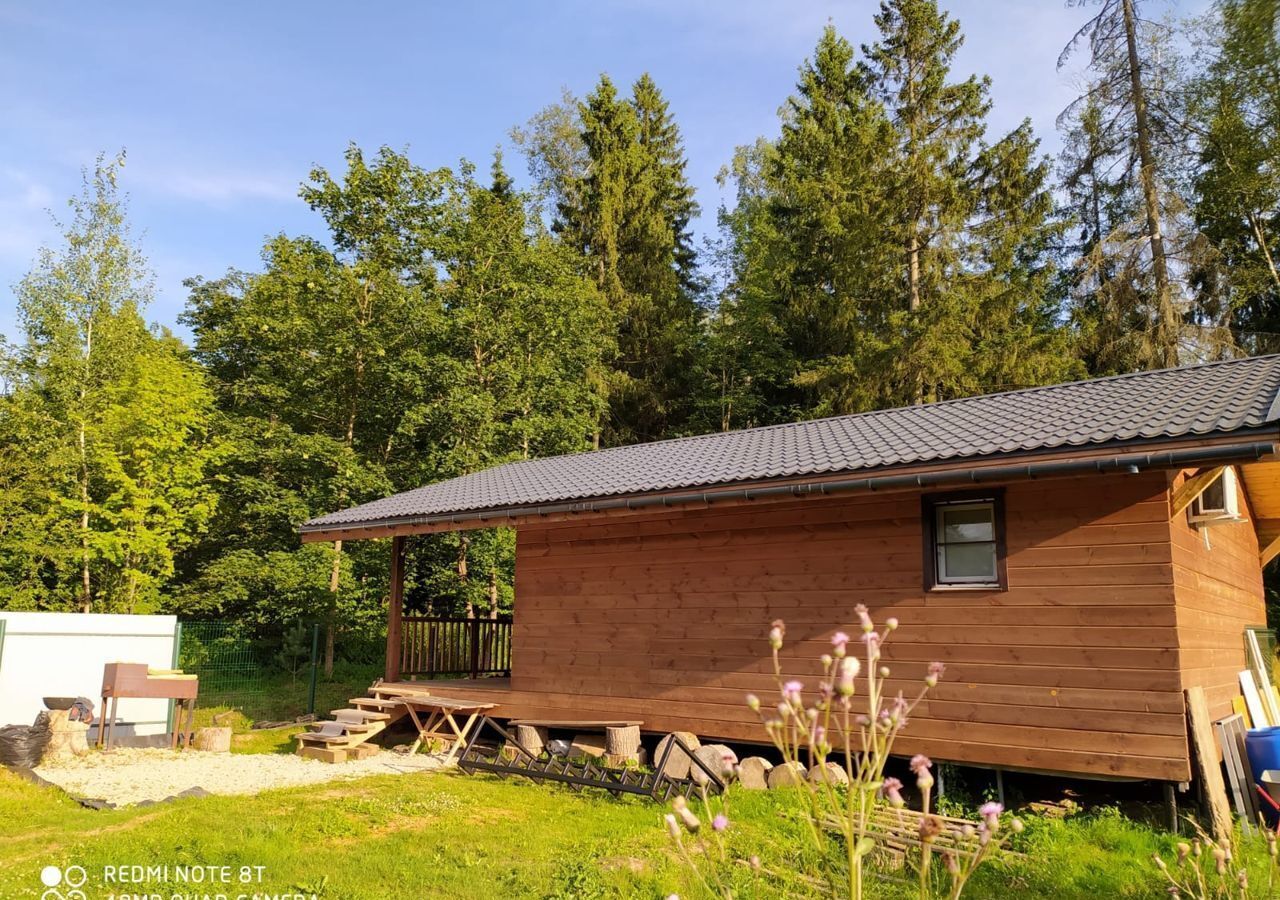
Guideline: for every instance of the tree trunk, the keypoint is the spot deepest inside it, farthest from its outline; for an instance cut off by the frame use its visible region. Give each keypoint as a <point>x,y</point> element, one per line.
<point>1167,315</point>
<point>493,593</point>
<point>463,545</point>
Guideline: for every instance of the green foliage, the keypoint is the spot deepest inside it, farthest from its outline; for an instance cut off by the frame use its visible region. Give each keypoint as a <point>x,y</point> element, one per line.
<point>624,202</point>
<point>881,251</point>
<point>1236,101</point>
<point>567,842</point>
<point>447,332</point>
<point>105,432</point>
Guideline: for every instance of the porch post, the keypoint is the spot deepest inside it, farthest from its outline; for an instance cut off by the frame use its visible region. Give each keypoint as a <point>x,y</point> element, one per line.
<point>395,609</point>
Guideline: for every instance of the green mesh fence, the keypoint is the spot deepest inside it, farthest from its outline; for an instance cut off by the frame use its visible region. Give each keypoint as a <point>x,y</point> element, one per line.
<point>267,674</point>
<point>277,673</point>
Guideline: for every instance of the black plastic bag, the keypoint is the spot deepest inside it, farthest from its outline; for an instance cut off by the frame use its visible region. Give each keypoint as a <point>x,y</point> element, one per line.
<point>22,746</point>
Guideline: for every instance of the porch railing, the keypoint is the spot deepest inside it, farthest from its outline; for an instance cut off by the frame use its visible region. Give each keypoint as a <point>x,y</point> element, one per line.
<point>455,646</point>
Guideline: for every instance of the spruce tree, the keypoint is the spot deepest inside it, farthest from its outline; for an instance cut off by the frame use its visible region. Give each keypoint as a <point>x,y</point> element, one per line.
<point>882,251</point>
<point>1123,135</point>
<point>628,213</point>
<point>1236,108</point>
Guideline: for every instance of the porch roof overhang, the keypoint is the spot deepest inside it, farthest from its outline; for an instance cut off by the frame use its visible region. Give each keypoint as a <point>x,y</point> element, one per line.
<point>1193,417</point>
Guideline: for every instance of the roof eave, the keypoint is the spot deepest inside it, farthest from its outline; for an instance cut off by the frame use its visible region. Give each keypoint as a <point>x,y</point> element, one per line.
<point>1112,456</point>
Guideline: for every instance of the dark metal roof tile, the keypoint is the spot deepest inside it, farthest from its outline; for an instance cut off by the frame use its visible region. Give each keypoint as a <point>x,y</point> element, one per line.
<point>1171,403</point>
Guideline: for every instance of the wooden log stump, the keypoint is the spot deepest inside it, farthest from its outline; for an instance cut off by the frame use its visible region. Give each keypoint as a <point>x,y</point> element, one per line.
<point>786,775</point>
<point>622,744</point>
<point>677,762</point>
<point>753,773</point>
<point>532,738</point>
<point>67,739</point>
<point>716,757</point>
<point>213,740</point>
<point>830,773</point>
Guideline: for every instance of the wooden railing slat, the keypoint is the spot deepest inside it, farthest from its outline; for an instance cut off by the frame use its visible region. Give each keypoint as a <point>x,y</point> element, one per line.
<point>452,645</point>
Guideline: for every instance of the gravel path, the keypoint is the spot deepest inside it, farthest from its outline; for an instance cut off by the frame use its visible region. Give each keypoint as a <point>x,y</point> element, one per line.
<point>126,776</point>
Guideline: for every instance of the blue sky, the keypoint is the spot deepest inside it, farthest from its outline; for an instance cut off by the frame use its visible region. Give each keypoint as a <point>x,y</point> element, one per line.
<point>224,107</point>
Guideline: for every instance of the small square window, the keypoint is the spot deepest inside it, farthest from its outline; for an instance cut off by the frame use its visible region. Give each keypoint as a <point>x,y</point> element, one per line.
<point>964,546</point>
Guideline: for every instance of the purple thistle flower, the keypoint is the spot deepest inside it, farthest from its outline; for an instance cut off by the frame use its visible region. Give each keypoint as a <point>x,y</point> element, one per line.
<point>990,812</point>
<point>920,763</point>
<point>720,822</point>
<point>935,672</point>
<point>791,691</point>
<point>892,790</point>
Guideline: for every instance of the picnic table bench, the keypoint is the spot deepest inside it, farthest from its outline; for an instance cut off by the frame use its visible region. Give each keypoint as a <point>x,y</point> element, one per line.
<point>439,721</point>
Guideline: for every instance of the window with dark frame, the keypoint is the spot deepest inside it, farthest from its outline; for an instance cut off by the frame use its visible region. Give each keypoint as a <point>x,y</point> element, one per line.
<point>964,545</point>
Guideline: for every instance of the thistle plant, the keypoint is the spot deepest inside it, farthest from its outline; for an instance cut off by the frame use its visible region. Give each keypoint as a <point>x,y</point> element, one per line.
<point>1205,869</point>
<point>849,720</point>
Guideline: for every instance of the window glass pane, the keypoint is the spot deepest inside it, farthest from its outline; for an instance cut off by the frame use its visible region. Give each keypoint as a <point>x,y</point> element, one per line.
<point>973,562</point>
<point>967,524</point>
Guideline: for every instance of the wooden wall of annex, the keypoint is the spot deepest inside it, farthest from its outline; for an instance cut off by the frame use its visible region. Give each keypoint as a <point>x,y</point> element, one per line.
<point>1218,584</point>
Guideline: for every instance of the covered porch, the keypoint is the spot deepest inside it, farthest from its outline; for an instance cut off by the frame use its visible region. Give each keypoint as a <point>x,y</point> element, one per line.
<point>430,647</point>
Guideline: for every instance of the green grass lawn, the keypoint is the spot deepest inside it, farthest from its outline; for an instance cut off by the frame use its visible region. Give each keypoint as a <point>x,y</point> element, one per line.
<point>452,835</point>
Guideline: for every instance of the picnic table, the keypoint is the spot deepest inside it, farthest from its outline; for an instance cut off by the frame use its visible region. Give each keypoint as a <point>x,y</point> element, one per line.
<point>434,718</point>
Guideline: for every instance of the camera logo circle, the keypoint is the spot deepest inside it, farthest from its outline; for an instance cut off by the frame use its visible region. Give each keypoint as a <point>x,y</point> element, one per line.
<point>72,878</point>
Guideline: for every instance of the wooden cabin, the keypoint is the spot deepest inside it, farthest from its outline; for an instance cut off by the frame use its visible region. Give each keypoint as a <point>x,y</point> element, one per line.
<point>1076,555</point>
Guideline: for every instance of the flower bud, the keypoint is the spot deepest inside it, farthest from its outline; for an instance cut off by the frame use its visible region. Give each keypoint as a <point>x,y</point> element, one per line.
<point>753,702</point>
<point>689,819</point>
<point>849,668</point>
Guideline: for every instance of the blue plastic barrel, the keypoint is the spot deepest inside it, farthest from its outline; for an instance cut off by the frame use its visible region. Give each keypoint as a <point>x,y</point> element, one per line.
<point>1262,745</point>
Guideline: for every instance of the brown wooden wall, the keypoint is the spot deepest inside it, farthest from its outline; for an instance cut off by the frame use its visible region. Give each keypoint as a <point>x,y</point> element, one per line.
<point>1219,593</point>
<point>662,616</point>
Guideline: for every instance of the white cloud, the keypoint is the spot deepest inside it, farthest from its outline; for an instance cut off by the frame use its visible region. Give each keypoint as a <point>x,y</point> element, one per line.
<point>213,186</point>
<point>25,222</point>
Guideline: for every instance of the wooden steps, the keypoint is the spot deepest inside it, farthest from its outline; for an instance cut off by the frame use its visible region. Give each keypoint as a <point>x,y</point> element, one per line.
<point>345,736</point>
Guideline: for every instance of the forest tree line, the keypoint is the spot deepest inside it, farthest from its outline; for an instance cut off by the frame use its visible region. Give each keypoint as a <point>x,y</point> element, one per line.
<point>884,246</point>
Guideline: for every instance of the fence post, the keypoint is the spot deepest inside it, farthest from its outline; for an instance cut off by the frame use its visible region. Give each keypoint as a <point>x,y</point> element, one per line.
<point>177,651</point>
<point>475,647</point>
<point>315,652</point>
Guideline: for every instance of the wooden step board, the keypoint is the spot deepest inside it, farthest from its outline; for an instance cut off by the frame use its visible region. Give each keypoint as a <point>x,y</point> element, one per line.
<point>358,715</point>
<point>374,703</point>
